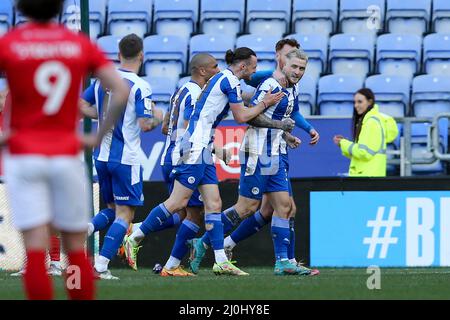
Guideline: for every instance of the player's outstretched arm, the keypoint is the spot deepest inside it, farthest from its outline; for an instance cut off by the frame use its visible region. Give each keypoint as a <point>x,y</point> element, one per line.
<point>110,79</point>
<point>242,114</point>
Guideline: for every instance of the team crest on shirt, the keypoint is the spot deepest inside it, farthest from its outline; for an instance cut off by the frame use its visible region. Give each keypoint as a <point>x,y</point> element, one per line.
<point>209,226</point>
<point>238,92</point>
<point>255,190</point>
<point>191,179</point>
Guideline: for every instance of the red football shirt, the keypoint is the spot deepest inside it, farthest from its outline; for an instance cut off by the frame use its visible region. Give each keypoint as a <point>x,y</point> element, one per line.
<point>46,65</point>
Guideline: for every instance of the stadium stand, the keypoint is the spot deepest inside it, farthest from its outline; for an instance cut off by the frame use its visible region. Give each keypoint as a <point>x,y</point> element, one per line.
<point>335,97</point>
<point>436,54</point>
<point>165,56</point>
<point>129,16</point>
<point>216,45</point>
<point>316,47</point>
<point>97,13</point>
<point>307,98</point>
<point>162,90</point>
<point>268,17</point>
<point>182,81</point>
<point>351,54</point>
<point>399,54</point>
<point>176,17</point>
<point>110,46</point>
<point>361,16</point>
<point>314,17</point>
<point>264,47</point>
<point>6,16</point>
<point>392,93</point>
<point>222,17</point>
<point>430,95</point>
<point>411,17</point>
<point>441,16</point>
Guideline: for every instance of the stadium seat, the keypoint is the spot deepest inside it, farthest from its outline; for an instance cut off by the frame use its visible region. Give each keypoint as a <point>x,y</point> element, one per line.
<point>268,17</point>
<point>307,97</point>
<point>361,16</point>
<point>316,47</point>
<point>441,16</point>
<point>6,16</point>
<point>97,11</point>
<point>419,138</point>
<point>314,17</point>
<point>410,17</point>
<point>264,48</point>
<point>391,93</point>
<point>222,17</point>
<point>216,45</point>
<point>110,46</point>
<point>335,97</point>
<point>165,56</point>
<point>399,54</point>
<point>176,17</point>
<point>182,81</point>
<point>19,18</point>
<point>129,16</point>
<point>351,53</point>
<point>436,54</point>
<point>162,90</point>
<point>430,95</point>
<point>3,84</point>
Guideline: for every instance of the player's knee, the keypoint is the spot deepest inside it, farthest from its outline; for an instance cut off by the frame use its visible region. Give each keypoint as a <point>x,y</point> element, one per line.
<point>213,205</point>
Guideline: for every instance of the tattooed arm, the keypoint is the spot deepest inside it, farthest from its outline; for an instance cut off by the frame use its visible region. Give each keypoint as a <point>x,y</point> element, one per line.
<point>264,121</point>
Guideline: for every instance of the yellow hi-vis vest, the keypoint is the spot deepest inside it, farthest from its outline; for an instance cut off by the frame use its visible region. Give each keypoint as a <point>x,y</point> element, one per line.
<point>368,155</point>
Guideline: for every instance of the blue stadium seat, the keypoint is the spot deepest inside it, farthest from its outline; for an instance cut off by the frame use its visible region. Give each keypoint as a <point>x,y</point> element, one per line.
<point>316,47</point>
<point>430,95</point>
<point>97,13</point>
<point>3,84</point>
<point>222,17</point>
<point>176,17</point>
<point>419,137</point>
<point>441,16</point>
<point>6,16</point>
<point>268,17</point>
<point>351,53</point>
<point>410,17</point>
<point>182,81</point>
<point>391,93</point>
<point>129,16</point>
<point>165,56</point>
<point>264,48</point>
<point>307,97</point>
<point>361,16</point>
<point>216,45</point>
<point>399,54</point>
<point>314,17</point>
<point>110,46</point>
<point>335,97</point>
<point>162,90</point>
<point>436,54</point>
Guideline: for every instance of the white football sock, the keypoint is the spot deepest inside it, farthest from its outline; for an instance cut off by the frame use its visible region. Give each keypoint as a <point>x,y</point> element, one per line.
<point>101,264</point>
<point>220,255</point>
<point>172,263</point>
<point>136,226</point>
<point>229,243</point>
<point>293,261</point>
<point>137,236</point>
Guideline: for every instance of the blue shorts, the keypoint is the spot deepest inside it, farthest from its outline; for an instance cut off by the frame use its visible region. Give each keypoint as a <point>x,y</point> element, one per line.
<point>255,185</point>
<point>193,175</point>
<point>285,164</point>
<point>120,183</point>
<point>196,198</point>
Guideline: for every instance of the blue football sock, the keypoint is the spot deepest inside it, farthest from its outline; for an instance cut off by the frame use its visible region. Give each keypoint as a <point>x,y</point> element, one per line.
<point>186,231</point>
<point>249,227</point>
<point>280,236</point>
<point>291,249</point>
<point>230,219</point>
<point>156,219</point>
<point>103,219</point>
<point>114,238</point>
<point>214,230</point>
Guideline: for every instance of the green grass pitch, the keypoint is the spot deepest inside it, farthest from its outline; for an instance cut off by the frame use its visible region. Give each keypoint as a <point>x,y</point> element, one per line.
<point>411,283</point>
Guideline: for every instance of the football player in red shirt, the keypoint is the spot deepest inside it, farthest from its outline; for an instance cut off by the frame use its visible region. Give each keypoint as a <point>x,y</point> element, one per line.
<point>45,65</point>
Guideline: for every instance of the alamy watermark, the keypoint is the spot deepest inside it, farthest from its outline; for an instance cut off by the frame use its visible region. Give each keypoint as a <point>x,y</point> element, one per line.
<point>374,280</point>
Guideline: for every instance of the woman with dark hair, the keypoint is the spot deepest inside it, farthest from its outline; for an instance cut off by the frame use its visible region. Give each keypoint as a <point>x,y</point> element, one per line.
<point>371,130</point>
